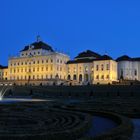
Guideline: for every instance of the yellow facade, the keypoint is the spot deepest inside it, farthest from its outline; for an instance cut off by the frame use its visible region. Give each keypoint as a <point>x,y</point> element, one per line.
<point>38,67</point>
<point>105,71</point>
<point>80,73</point>
<point>102,72</point>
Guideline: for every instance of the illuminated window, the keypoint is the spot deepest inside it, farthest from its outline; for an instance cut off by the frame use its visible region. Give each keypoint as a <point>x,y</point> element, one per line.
<point>86,69</point>
<point>74,69</point>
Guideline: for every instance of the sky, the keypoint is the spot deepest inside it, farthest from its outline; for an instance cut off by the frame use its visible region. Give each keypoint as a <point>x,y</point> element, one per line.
<point>104,26</point>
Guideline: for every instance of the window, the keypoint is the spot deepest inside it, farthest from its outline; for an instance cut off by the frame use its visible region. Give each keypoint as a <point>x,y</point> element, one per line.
<point>97,67</point>
<point>107,67</point>
<point>42,68</point>
<point>107,77</point>
<point>135,73</point>
<point>86,69</point>
<point>74,70</point>
<point>102,77</point>
<point>74,77</point>
<point>69,77</point>
<point>97,77</point>
<point>102,67</point>
<point>47,68</point>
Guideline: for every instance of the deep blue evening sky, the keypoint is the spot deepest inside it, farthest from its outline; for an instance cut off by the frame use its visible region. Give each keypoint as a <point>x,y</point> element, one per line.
<point>111,26</point>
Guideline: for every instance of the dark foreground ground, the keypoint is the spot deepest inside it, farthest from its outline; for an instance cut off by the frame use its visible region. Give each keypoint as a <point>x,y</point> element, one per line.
<point>69,112</point>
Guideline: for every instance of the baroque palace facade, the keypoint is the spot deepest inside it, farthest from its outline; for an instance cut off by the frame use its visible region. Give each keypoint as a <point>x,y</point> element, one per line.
<point>39,64</point>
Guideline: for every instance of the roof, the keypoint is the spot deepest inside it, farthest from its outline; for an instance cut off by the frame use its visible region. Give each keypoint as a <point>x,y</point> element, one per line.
<point>80,61</point>
<point>127,58</point>
<point>105,57</point>
<point>123,58</point>
<point>136,59</point>
<point>38,45</point>
<point>88,60</point>
<point>86,54</point>
<point>3,67</point>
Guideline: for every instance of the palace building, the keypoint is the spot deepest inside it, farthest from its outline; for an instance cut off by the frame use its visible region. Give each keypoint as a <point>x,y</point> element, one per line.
<point>39,64</point>
<point>128,68</point>
<point>92,68</point>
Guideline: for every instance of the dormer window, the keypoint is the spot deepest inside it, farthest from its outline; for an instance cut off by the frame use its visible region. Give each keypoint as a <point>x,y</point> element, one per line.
<point>31,47</point>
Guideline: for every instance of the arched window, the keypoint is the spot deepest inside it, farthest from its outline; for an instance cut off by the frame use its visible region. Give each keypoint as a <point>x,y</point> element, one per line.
<point>74,77</point>
<point>86,77</point>
<point>80,77</point>
<point>69,77</point>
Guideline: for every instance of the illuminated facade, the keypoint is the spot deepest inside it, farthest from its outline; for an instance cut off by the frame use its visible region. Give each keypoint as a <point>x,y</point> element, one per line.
<point>37,64</point>
<point>91,68</point>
